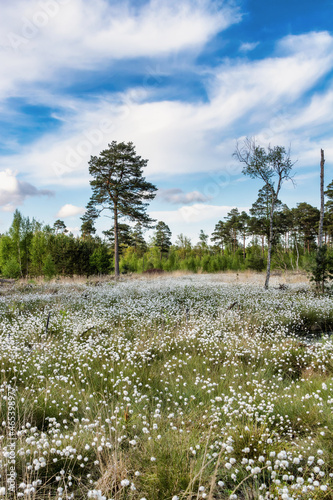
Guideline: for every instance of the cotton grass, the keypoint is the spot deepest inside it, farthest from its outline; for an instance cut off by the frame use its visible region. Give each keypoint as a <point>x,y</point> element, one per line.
<point>159,389</point>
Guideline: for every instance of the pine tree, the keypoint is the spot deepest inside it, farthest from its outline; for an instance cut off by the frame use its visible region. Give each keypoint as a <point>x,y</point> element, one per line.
<point>233,225</point>
<point>220,236</point>
<point>60,227</point>
<point>138,241</point>
<point>162,237</point>
<point>306,219</point>
<point>203,242</point>
<point>119,186</point>
<point>322,270</point>
<point>87,228</point>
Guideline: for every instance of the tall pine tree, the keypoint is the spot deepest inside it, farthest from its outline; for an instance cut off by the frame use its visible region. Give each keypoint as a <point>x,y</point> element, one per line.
<point>118,185</point>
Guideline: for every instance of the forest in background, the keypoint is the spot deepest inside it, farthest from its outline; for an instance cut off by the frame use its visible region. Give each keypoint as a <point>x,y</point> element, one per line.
<point>238,242</point>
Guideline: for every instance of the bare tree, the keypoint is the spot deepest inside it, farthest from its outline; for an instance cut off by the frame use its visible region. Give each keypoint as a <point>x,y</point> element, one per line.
<point>273,166</point>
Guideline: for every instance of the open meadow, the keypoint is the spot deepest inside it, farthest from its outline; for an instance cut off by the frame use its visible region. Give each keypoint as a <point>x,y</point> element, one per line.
<point>170,388</point>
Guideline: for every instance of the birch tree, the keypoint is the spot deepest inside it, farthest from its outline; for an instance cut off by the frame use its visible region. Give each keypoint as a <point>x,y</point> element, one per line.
<point>273,166</point>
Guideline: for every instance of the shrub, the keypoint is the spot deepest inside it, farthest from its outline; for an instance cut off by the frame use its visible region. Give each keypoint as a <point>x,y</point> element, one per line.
<point>11,268</point>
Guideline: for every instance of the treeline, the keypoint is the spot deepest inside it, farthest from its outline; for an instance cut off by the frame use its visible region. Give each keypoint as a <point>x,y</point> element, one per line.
<point>238,242</point>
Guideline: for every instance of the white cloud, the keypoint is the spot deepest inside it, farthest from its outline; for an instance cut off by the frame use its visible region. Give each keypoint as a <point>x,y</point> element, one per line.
<point>63,35</point>
<point>248,46</point>
<point>194,213</point>
<point>261,98</point>
<point>74,230</point>
<point>177,196</point>
<point>13,192</point>
<point>69,210</point>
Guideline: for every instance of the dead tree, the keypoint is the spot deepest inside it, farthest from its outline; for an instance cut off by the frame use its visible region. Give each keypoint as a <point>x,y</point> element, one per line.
<point>322,201</point>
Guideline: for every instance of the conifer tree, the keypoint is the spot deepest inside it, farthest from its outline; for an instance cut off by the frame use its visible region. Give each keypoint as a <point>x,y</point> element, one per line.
<point>220,235</point>
<point>118,185</point>
<point>138,241</point>
<point>162,237</point>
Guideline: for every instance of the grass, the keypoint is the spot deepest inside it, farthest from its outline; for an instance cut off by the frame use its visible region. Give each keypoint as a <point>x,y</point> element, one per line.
<point>156,389</point>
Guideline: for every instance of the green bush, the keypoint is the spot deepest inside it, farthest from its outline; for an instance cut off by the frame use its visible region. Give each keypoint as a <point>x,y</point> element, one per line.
<point>49,268</point>
<point>11,268</point>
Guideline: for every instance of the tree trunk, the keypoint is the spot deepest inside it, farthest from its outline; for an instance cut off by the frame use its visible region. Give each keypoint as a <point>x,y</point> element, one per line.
<point>244,246</point>
<point>116,243</point>
<point>270,240</point>
<point>321,221</point>
<point>19,257</point>
<point>262,246</point>
<point>297,251</point>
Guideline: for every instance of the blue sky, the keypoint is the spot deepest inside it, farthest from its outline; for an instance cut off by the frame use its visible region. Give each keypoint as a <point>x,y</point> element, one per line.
<point>183,80</point>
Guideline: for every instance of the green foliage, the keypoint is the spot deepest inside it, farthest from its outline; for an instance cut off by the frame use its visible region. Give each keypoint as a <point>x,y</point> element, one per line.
<point>162,237</point>
<point>11,268</point>
<point>254,259</point>
<point>119,186</point>
<point>38,253</point>
<point>322,268</point>
<point>49,268</point>
<point>100,260</point>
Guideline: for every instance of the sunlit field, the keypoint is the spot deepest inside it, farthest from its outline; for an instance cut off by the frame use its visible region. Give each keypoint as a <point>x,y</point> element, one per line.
<point>169,388</point>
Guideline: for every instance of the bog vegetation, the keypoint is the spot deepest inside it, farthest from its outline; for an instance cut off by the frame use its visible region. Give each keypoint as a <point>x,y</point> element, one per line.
<point>171,388</point>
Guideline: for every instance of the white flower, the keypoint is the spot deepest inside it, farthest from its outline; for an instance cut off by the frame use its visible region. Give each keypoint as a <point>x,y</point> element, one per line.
<point>124,482</point>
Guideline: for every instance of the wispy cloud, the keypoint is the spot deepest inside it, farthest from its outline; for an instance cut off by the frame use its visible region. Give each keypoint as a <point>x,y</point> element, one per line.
<point>244,97</point>
<point>248,46</point>
<point>177,196</point>
<point>84,35</point>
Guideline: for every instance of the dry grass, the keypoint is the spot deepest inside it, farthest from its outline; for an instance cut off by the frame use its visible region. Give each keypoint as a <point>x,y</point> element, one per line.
<point>248,276</point>
<point>113,471</point>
